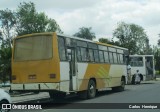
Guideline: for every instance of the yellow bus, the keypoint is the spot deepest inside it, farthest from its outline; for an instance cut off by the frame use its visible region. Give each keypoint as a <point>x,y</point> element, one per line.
<point>60,65</point>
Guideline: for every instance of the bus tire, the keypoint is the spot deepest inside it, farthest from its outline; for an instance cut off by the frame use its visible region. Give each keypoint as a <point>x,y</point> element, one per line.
<point>91,91</point>
<point>121,87</point>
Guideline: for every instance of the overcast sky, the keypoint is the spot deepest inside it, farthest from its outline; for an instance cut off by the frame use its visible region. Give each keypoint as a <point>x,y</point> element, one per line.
<point>101,15</point>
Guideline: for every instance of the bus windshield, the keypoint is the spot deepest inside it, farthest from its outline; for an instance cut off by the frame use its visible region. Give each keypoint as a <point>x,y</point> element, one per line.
<point>33,48</point>
<point>136,61</point>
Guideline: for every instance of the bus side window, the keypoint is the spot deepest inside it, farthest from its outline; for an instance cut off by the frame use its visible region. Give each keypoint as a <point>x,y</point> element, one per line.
<point>115,57</point>
<point>96,56</point>
<point>61,46</point>
<point>79,58</point>
<point>101,56</point>
<point>110,57</point>
<point>106,57</point>
<point>121,58</point>
<point>118,56</point>
<point>91,57</point>
<point>84,54</point>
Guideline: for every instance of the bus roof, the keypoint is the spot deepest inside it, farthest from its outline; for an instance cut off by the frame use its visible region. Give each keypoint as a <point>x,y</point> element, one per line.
<point>34,34</point>
<point>51,33</point>
<point>92,41</point>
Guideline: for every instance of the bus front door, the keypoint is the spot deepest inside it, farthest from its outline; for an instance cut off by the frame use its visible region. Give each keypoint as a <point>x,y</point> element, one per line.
<point>73,69</point>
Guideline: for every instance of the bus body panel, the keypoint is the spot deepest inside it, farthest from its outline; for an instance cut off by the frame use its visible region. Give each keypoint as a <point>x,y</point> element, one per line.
<point>104,74</point>
<point>37,71</point>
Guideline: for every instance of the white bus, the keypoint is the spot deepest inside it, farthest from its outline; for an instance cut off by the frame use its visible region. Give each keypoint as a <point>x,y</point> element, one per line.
<point>145,65</point>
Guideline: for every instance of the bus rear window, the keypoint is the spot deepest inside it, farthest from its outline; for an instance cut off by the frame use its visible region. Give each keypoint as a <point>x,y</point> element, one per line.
<point>33,48</point>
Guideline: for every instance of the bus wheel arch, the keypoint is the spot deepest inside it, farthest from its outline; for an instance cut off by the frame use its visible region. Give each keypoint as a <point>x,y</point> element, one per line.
<point>91,90</point>
<point>121,87</point>
<point>123,82</point>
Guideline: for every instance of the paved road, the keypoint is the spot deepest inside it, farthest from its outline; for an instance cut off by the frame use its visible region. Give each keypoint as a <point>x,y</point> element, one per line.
<point>148,92</point>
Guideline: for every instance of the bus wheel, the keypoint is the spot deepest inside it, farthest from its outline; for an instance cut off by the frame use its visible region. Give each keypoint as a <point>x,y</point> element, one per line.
<point>91,91</point>
<point>119,88</point>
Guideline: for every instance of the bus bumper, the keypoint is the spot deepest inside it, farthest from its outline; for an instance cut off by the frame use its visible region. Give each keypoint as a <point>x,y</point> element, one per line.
<point>35,86</point>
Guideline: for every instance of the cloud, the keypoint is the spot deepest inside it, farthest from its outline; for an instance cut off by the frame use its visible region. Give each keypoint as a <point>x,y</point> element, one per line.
<point>101,15</point>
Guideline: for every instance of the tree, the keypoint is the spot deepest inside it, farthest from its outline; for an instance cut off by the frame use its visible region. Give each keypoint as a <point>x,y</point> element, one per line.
<point>5,64</point>
<point>7,24</point>
<point>30,21</point>
<point>107,41</point>
<point>133,37</point>
<point>156,52</point>
<point>85,33</point>
<point>158,40</point>
<point>24,20</point>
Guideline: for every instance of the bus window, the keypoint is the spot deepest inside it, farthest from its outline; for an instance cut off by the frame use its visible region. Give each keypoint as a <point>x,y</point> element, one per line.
<point>102,47</point>
<point>115,57</point>
<point>33,48</point>
<point>91,55</point>
<point>136,61</point>
<point>84,54</point>
<point>118,55</point>
<point>81,43</point>
<point>79,54</point>
<point>91,45</point>
<point>96,56</point>
<point>106,57</point>
<point>110,57</point>
<point>61,46</point>
<point>121,58</point>
<point>101,57</point>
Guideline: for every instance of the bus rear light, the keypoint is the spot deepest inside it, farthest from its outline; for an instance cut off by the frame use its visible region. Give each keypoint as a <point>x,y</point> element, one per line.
<point>52,76</point>
<point>32,77</point>
<point>13,77</point>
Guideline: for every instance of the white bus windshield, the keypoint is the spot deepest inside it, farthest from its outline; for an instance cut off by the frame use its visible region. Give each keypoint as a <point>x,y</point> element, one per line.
<point>136,61</point>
